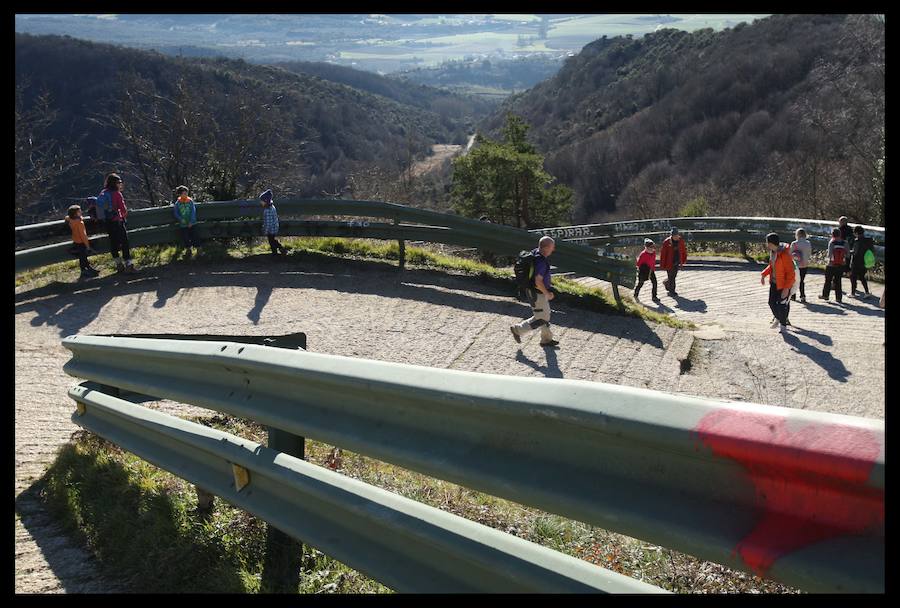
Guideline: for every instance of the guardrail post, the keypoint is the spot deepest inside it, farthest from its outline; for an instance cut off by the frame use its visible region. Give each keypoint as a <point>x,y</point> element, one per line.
<point>284,555</point>
<point>615,290</point>
<point>204,501</point>
<point>402,245</point>
<point>744,248</point>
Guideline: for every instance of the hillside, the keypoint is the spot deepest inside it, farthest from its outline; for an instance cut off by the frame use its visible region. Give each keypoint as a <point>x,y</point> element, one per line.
<point>784,117</point>
<point>223,127</point>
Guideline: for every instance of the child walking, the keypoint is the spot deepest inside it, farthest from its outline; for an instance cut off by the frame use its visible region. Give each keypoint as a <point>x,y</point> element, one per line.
<point>837,258</point>
<point>82,245</point>
<point>801,250</point>
<point>185,212</point>
<point>646,263</point>
<point>270,222</point>
<point>780,271</point>
<point>858,270</point>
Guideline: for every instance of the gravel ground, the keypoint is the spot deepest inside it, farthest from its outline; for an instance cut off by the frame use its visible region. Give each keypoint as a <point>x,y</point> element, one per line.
<point>420,317</point>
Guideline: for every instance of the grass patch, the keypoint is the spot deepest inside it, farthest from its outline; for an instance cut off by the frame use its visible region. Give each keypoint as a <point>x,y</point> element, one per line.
<point>139,522</point>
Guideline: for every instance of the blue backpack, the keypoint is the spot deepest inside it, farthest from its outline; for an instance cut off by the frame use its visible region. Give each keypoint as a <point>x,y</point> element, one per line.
<point>104,206</point>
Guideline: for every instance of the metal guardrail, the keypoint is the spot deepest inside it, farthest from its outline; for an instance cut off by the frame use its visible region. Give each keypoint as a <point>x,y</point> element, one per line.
<point>792,495</point>
<point>406,545</point>
<point>156,226</point>
<point>400,542</point>
<point>731,229</point>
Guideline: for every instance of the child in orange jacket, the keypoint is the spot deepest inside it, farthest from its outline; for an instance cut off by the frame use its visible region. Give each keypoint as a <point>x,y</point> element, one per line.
<point>780,271</point>
<point>82,245</point>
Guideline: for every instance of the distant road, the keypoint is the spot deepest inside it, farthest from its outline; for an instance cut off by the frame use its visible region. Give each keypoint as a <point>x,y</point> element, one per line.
<point>440,154</point>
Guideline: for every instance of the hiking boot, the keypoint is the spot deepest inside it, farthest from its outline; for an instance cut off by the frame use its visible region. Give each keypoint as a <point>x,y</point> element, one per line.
<point>550,344</point>
<point>793,298</point>
<point>775,323</point>
<point>821,297</point>
<point>516,336</point>
<point>803,299</point>
<point>120,267</point>
<point>782,329</point>
<point>656,299</point>
<point>130,269</point>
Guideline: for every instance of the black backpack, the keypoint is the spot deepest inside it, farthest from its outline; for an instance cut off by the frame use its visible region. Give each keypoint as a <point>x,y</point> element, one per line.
<point>524,271</point>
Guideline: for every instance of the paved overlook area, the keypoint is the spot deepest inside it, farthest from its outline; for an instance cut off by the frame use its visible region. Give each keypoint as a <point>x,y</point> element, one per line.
<point>832,360</point>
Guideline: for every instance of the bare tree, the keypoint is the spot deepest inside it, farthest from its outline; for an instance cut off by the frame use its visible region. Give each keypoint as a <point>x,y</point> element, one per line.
<point>40,159</point>
<point>249,146</point>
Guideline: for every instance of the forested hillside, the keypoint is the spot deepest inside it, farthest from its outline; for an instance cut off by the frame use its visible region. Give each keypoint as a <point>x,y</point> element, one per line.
<point>223,127</point>
<point>784,116</point>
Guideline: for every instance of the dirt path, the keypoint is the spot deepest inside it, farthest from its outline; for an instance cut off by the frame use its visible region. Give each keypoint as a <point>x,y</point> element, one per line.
<point>441,153</point>
<point>367,310</point>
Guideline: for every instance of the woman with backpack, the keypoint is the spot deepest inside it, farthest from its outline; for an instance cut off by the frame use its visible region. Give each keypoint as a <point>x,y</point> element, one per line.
<point>861,245</point>
<point>111,204</point>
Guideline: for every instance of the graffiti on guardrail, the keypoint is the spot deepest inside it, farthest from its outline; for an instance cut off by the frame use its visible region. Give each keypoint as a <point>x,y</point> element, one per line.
<point>568,232</point>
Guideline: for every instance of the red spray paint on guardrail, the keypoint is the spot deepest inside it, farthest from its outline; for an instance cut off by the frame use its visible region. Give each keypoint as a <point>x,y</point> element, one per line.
<point>811,483</point>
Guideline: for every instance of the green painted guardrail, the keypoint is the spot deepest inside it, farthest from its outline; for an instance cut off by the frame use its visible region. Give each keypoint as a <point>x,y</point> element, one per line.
<point>224,219</point>
<point>408,546</point>
<point>792,495</point>
<point>729,229</point>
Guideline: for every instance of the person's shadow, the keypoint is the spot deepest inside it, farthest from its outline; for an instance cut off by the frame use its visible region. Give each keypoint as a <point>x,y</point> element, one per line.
<point>820,338</point>
<point>551,370</point>
<point>867,311</point>
<point>823,309</point>
<point>263,293</point>
<point>687,305</point>
<point>835,368</point>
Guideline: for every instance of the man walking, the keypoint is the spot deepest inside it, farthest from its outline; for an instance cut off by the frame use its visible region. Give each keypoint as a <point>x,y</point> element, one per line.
<point>539,294</point>
<point>672,256</point>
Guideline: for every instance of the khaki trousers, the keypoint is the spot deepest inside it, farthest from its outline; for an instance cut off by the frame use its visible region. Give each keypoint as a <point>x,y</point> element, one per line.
<point>539,319</point>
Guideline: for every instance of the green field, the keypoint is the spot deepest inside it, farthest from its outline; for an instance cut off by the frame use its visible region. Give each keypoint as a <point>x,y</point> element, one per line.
<point>565,34</point>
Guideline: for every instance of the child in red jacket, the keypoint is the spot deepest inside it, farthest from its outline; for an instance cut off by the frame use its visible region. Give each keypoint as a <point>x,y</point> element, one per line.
<point>646,264</point>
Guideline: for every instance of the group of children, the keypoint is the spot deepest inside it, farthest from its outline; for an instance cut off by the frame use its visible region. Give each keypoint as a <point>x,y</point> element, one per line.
<point>672,257</point>
<point>850,252</point>
<point>109,208</point>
